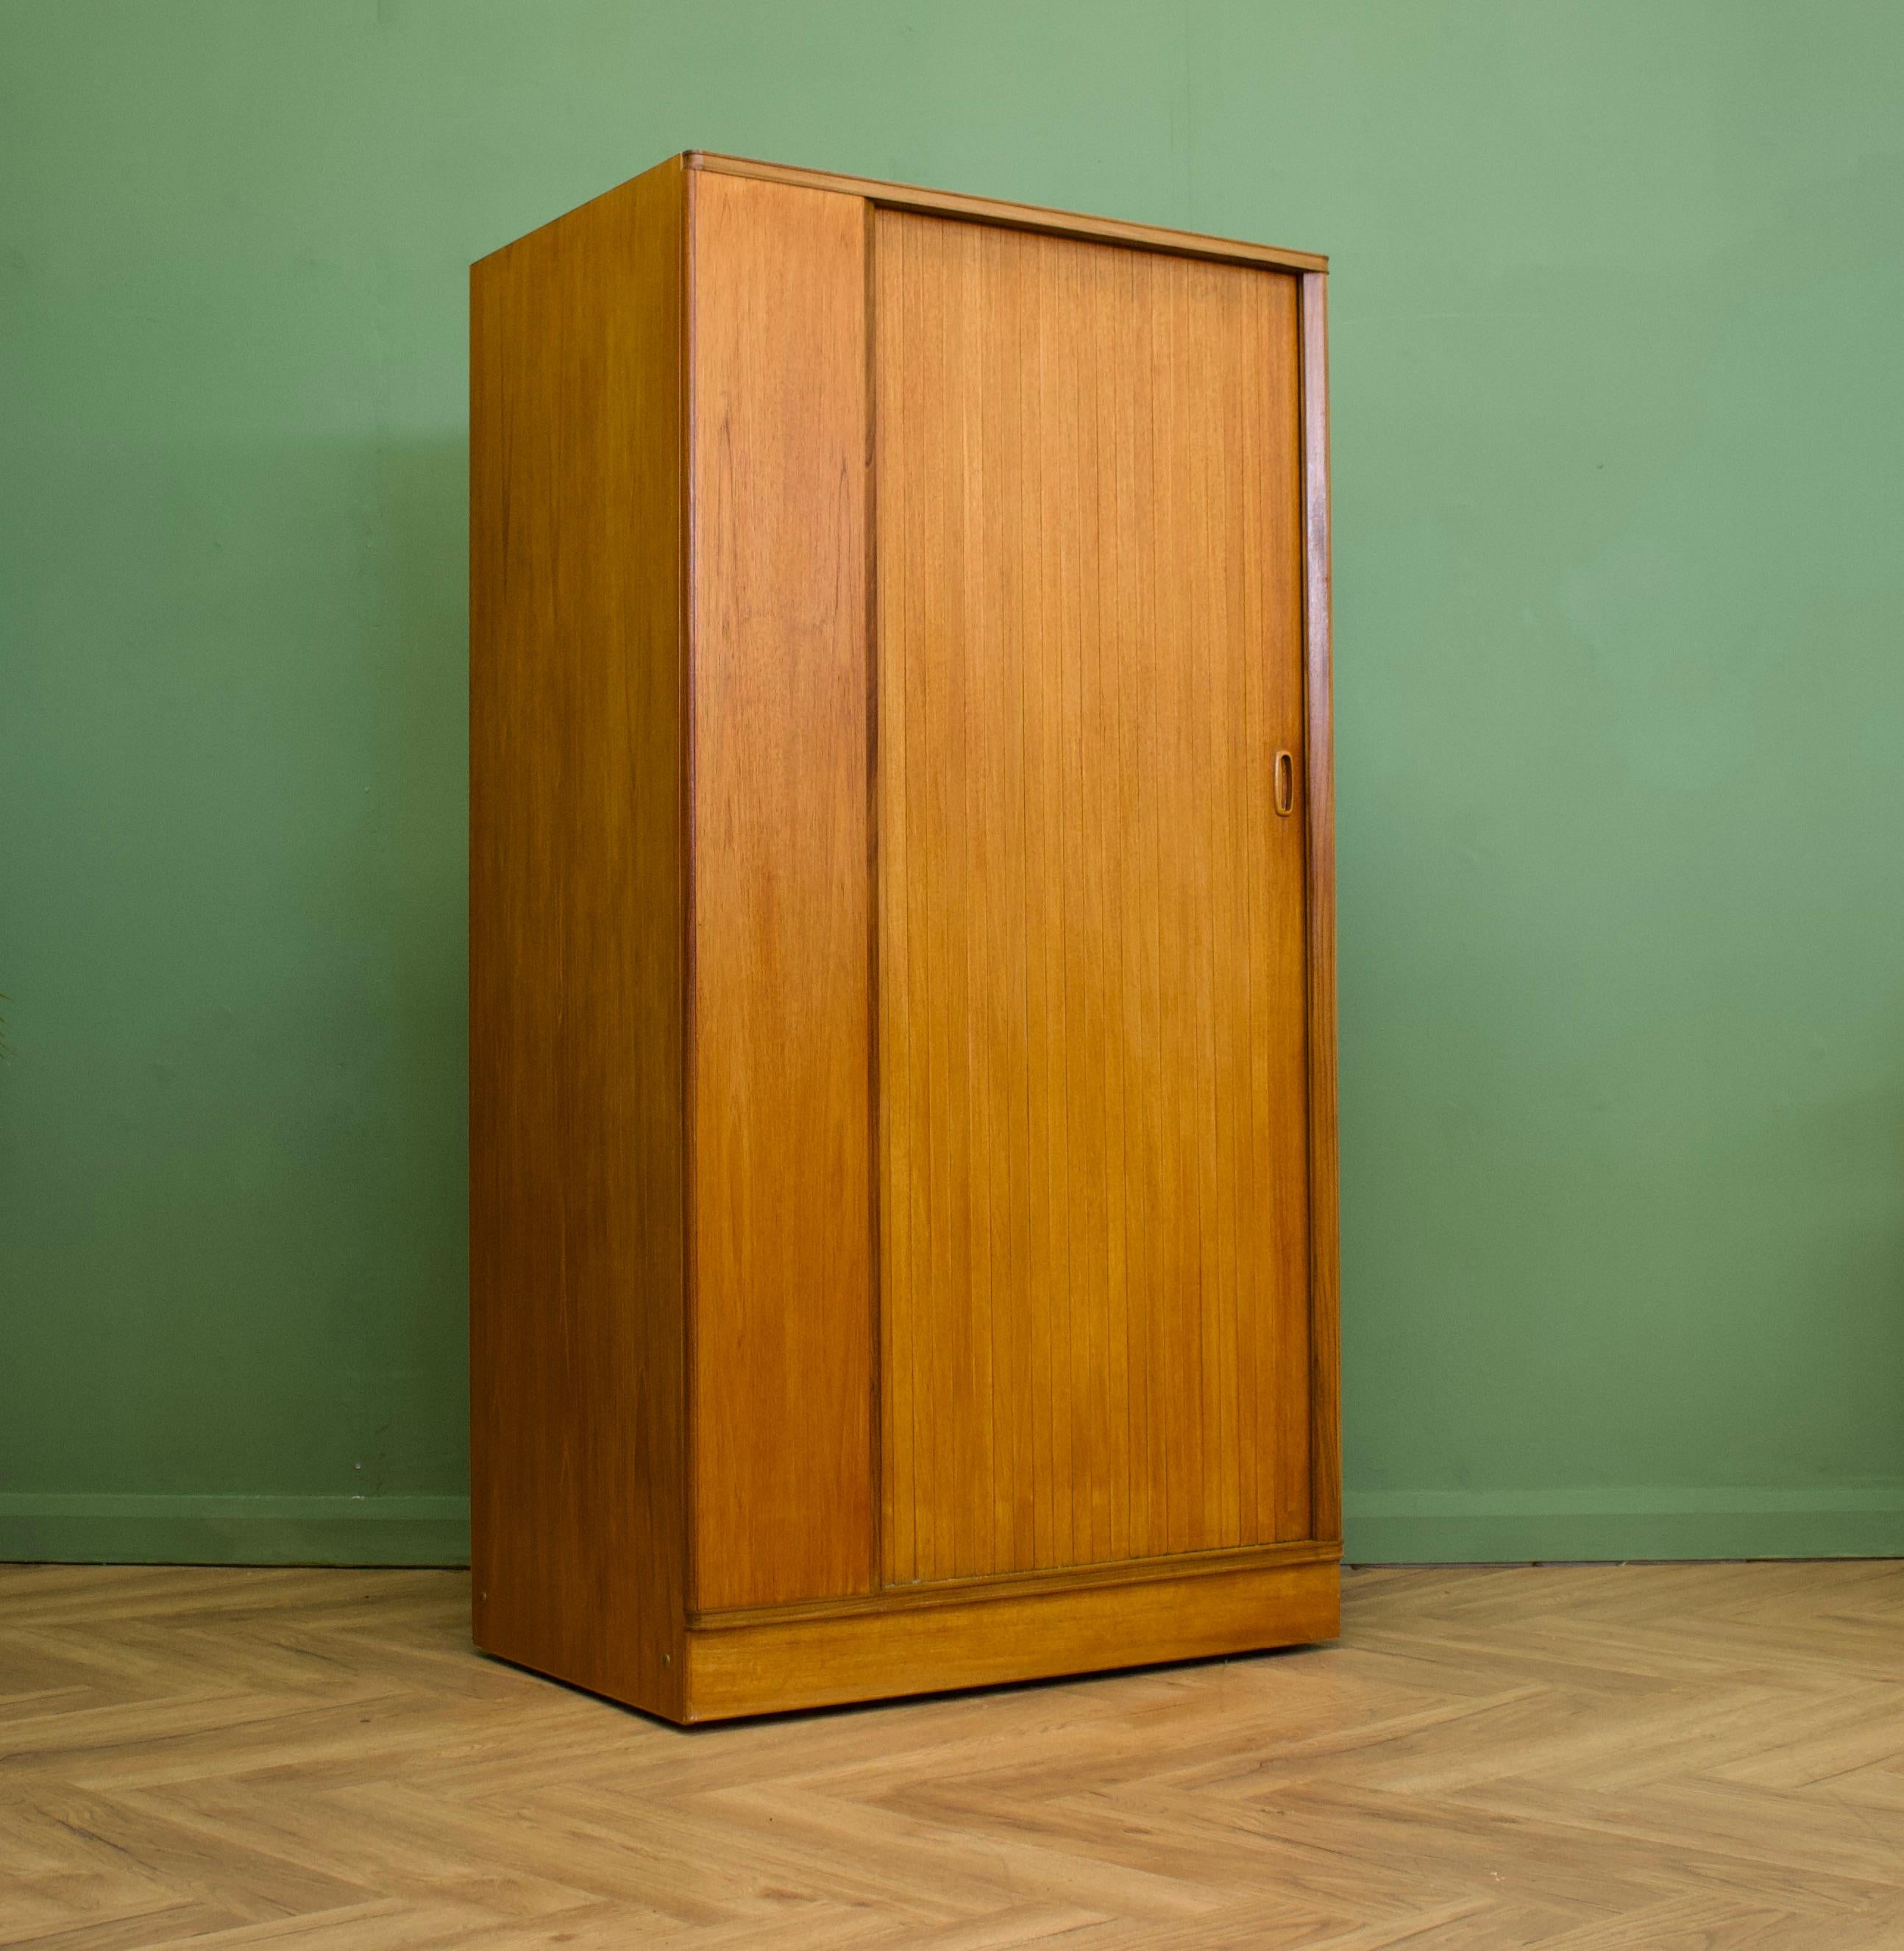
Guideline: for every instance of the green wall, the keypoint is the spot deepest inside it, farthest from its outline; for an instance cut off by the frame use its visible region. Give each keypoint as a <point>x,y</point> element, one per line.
<point>1618,395</point>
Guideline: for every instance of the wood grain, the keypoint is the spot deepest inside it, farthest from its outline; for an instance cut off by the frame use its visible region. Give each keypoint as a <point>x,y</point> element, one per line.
<point>1578,1759</point>
<point>782,1353</point>
<point>578,1463</point>
<point>1012,216</point>
<point>1018,1584</point>
<point>1326,1331</point>
<point>759,1667</point>
<point>902,1025</point>
<point>1093,1050</point>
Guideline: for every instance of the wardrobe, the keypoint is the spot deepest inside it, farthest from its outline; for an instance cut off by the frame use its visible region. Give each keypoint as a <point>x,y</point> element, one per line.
<point>902,1043</point>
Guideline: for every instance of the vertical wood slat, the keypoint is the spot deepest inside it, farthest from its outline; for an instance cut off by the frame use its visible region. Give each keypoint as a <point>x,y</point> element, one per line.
<point>1092,1049</point>
<point>1325,1515</point>
<point>781,1372</point>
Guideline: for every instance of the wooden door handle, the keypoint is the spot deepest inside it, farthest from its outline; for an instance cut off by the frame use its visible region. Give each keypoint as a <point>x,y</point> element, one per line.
<point>1285,784</point>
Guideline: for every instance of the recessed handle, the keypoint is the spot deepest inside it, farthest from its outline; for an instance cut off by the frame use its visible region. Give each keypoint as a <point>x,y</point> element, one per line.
<point>1285,784</point>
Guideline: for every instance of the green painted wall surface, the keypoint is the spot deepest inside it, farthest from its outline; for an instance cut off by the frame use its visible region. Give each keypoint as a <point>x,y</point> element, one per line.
<point>1618,311</point>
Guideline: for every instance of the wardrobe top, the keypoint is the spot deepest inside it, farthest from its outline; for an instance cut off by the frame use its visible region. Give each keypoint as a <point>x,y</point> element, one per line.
<point>1017,215</point>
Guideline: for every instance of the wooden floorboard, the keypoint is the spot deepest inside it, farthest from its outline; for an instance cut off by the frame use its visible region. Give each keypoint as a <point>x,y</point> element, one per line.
<point>1647,1756</point>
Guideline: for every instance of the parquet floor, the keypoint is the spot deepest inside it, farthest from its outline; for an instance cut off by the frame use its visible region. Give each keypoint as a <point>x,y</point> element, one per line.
<point>1644,1756</point>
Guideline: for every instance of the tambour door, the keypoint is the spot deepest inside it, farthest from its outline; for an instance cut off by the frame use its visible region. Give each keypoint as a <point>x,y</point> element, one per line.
<point>1090,1129</point>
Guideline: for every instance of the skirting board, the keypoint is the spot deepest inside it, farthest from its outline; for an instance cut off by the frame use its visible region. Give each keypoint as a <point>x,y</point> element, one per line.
<point>85,1528</point>
<point>1515,1527</point>
<point>1384,1527</point>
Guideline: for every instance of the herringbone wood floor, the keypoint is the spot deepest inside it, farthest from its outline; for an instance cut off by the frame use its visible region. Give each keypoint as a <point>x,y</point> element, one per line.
<point>1645,1756</point>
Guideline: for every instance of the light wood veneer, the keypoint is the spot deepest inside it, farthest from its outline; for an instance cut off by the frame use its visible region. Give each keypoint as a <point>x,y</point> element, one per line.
<point>902,1019</point>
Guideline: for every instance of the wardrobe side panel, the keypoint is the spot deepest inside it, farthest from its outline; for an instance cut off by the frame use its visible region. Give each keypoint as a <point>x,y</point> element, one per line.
<point>577,947</point>
<point>782,1322</point>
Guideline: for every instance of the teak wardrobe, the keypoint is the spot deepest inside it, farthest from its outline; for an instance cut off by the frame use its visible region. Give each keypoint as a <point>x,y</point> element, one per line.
<point>902,996</point>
